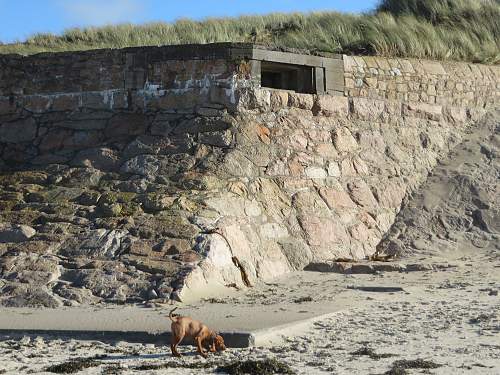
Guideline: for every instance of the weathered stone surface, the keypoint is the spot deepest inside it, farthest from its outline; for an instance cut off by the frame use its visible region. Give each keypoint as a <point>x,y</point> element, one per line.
<point>344,141</point>
<point>99,243</point>
<point>222,139</point>
<point>112,285</point>
<point>15,233</point>
<point>149,265</point>
<point>303,101</point>
<point>161,226</point>
<point>102,158</point>
<point>429,111</point>
<point>24,295</point>
<point>488,220</point>
<point>34,269</point>
<point>156,202</point>
<point>323,232</point>
<point>328,105</point>
<point>126,124</point>
<point>146,144</point>
<point>336,199</point>
<point>156,188</point>
<point>361,194</point>
<point>145,165</point>
<point>78,295</point>
<point>89,198</point>
<point>18,131</point>
<point>368,109</point>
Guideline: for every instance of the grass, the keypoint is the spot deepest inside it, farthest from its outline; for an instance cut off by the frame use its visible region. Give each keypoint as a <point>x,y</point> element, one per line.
<point>463,30</point>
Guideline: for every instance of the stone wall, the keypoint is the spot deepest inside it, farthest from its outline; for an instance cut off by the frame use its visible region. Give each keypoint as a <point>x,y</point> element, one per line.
<point>54,106</point>
<point>444,83</point>
<point>319,178</point>
<point>196,178</point>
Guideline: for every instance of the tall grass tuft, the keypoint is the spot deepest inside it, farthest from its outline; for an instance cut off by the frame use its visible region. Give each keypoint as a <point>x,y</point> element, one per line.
<point>466,30</point>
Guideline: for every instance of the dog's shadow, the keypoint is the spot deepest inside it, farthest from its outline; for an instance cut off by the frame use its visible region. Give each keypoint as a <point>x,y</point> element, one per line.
<point>131,357</point>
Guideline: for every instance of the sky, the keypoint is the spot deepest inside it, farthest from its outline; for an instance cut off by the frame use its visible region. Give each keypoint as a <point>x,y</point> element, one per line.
<point>21,18</point>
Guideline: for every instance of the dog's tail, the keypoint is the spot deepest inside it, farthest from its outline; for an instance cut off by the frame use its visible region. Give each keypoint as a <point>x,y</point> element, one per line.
<point>171,316</point>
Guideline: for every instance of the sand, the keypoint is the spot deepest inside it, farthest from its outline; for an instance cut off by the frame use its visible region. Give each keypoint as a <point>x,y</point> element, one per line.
<point>450,317</point>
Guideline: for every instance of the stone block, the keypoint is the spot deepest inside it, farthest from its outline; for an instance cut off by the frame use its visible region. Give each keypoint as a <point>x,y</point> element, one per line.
<point>330,105</point>
<point>349,63</point>
<point>302,101</point>
<point>83,139</point>
<point>36,103</point>
<point>432,67</point>
<point>315,172</point>
<point>103,159</point>
<point>279,99</point>
<point>344,141</point>
<point>54,140</point>
<point>368,109</point>
<point>361,193</point>
<point>222,139</point>
<point>126,124</point>
<point>456,115</point>
<point>7,105</point>
<point>147,144</point>
<point>323,231</point>
<point>18,131</point>
<point>66,102</point>
<point>428,111</point>
<point>336,199</point>
<point>15,233</point>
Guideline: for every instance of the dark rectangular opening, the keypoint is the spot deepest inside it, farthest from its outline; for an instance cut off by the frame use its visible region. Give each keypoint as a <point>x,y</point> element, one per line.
<point>297,78</point>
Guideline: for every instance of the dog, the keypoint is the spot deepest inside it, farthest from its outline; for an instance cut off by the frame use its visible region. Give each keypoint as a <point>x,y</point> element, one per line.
<point>184,326</point>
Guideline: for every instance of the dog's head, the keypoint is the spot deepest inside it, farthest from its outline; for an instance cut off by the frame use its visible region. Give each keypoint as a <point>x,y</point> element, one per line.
<point>218,342</point>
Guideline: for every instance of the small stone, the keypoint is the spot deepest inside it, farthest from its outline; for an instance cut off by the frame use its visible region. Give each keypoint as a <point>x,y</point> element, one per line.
<point>103,159</point>
<point>89,198</point>
<point>152,294</point>
<point>344,141</point>
<point>333,169</point>
<point>15,233</point>
<point>315,172</point>
<point>110,210</point>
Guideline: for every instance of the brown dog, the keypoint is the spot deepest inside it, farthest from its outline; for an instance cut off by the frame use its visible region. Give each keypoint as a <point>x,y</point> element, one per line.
<point>184,326</point>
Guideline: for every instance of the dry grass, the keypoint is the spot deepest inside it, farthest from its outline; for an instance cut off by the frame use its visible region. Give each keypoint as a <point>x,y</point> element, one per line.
<point>464,30</point>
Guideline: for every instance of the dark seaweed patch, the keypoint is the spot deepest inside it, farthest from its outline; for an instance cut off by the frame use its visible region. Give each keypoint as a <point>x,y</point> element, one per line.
<point>265,367</point>
<point>400,367</point>
<point>73,366</point>
<point>371,353</point>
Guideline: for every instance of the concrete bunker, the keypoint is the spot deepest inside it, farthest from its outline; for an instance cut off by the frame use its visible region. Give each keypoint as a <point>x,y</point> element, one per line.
<point>302,73</point>
<point>288,77</point>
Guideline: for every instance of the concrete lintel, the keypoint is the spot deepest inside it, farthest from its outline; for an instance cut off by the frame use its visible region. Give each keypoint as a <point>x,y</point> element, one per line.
<point>291,58</point>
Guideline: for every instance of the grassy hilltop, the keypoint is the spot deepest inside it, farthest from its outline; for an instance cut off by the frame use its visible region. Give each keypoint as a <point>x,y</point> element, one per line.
<point>466,30</point>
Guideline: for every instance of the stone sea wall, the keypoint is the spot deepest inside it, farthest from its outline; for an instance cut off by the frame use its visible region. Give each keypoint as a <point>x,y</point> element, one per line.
<point>422,81</point>
<point>195,179</point>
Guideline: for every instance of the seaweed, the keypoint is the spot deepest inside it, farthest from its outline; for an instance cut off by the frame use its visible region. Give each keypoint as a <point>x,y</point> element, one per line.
<point>371,353</point>
<point>400,367</point>
<point>265,367</point>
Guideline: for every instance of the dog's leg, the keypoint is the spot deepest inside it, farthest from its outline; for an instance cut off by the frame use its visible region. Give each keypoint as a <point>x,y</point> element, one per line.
<point>200,348</point>
<point>177,337</point>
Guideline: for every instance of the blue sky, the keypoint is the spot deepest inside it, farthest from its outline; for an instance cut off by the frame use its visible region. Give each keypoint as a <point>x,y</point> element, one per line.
<point>22,18</point>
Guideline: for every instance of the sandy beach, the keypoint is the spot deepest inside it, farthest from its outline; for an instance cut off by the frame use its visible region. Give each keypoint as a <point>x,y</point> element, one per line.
<point>449,317</point>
